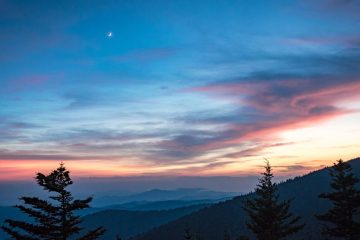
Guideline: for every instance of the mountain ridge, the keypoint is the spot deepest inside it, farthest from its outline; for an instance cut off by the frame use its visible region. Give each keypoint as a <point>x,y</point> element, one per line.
<point>127,223</point>
<point>211,222</point>
<point>183,194</point>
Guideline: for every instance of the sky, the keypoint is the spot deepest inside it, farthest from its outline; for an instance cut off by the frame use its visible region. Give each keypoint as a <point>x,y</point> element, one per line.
<point>178,88</point>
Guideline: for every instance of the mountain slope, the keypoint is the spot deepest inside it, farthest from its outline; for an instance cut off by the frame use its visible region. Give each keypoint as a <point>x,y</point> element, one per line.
<point>211,222</point>
<point>183,194</point>
<point>159,205</point>
<point>149,205</point>
<point>120,221</point>
<point>129,223</point>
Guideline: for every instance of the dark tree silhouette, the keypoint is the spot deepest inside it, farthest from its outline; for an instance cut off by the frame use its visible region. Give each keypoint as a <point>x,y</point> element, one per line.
<point>54,219</point>
<point>346,204</point>
<point>270,219</point>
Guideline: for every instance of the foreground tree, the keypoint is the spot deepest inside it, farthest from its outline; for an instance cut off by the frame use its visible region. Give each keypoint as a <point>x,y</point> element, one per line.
<point>270,219</point>
<point>346,204</point>
<point>54,219</point>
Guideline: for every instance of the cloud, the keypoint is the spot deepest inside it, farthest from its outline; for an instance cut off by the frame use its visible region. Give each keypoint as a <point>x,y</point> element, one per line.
<point>50,155</point>
<point>268,103</point>
<point>272,77</point>
<point>278,105</point>
<point>81,100</point>
<point>183,146</point>
<point>303,90</point>
<point>12,129</point>
<point>205,167</point>
<point>254,151</point>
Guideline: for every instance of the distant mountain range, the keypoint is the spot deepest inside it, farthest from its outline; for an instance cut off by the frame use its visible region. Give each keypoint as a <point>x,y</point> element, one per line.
<point>160,205</point>
<point>134,217</point>
<point>152,205</point>
<point>129,219</point>
<point>155,195</point>
<point>164,214</point>
<point>211,222</point>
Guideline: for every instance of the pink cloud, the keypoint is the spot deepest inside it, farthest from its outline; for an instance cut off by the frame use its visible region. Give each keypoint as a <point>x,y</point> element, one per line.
<point>279,105</point>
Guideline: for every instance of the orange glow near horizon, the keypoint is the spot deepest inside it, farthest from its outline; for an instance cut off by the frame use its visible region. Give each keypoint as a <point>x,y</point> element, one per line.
<point>309,148</point>
<point>162,97</point>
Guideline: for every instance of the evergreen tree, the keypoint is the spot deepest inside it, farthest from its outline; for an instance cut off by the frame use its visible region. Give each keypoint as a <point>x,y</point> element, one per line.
<point>270,219</point>
<point>54,219</point>
<point>346,204</point>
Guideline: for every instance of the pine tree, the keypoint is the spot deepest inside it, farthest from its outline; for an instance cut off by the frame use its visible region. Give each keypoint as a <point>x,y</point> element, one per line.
<point>346,204</point>
<point>270,219</point>
<point>54,219</point>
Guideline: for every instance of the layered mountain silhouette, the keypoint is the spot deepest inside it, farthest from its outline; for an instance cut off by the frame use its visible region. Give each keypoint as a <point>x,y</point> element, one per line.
<point>127,219</point>
<point>211,222</point>
<point>158,205</point>
<point>156,195</point>
<point>130,223</point>
<point>144,219</point>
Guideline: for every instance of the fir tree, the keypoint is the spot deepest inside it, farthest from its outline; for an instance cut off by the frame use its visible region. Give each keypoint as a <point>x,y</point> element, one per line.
<point>346,204</point>
<point>270,219</point>
<point>54,219</point>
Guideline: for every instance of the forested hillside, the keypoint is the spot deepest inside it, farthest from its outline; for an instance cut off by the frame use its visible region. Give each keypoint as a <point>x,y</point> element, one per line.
<point>129,223</point>
<point>211,222</point>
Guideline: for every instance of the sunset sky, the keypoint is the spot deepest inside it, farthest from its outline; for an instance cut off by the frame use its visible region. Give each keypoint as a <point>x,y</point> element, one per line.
<point>159,88</point>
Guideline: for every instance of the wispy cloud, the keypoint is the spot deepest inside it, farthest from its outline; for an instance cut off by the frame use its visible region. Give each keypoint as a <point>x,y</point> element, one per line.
<point>177,89</point>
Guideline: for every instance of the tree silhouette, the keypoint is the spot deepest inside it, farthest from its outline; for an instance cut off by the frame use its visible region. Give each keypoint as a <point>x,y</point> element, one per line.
<point>54,219</point>
<point>269,218</point>
<point>346,204</point>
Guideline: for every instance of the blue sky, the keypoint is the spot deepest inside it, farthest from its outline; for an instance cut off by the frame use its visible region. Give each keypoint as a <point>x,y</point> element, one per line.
<point>181,87</point>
